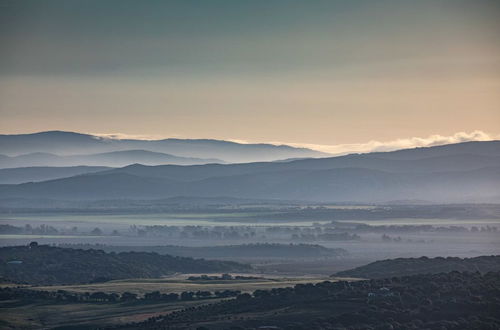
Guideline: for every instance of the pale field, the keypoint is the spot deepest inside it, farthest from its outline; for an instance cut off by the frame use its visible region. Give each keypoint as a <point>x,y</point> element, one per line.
<point>117,221</point>
<point>179,283</point>
<point>428,221</point>
<point>48,315</point>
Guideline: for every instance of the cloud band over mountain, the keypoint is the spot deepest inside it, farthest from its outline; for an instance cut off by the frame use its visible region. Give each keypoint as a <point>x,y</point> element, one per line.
<point>338,149</point>
<point>404,143</point>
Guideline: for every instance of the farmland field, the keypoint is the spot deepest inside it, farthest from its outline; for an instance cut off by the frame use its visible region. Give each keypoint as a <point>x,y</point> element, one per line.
<point>35,315</point>
<point>179,283</point>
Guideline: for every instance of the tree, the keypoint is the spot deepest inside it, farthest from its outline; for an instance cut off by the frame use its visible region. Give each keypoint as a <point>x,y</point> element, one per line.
<point>96,232</point>
<point>155,295</point>
<point>187,295</point>
<point>128,296</point>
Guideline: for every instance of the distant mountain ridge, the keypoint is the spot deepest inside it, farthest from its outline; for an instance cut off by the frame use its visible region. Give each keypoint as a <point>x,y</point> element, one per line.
<point>37,174</point>
<point>109,159</point>
<point>466,172</point>
<point>69,143</point>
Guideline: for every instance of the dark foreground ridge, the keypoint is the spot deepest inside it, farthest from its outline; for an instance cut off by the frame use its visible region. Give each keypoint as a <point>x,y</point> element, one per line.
<point>439,301</point>
<point>43,264</point>
<point>423,265</point>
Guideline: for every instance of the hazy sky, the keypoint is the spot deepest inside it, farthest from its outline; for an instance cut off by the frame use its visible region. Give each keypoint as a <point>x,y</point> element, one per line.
<point>315,72</point>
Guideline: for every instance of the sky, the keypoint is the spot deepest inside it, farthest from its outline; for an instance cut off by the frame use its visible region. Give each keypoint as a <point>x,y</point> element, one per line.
<point>326,74</point>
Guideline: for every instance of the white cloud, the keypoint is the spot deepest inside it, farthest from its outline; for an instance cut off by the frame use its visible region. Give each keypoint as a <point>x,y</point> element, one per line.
<point>124,136</point>
<point>340,149</point>
<point>405,143</point>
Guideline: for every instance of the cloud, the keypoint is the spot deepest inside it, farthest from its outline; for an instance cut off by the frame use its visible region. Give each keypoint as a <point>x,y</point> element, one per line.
<point>125,136</point>
<point>342,149</point>
<point>405,143</point>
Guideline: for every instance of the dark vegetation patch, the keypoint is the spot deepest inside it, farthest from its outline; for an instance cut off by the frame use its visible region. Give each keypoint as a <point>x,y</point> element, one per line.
<point>432,301</point>
<point>270,250</point>
<point>24,295</point>
<point>224,277</point>
<point>423,265</point>
<point>47,265</point>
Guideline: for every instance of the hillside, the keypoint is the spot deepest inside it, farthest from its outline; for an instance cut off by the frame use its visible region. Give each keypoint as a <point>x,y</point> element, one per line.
<point>109,159</point>
<point>369,178</point>
<point>472,156</point>
<point>34,174</point>
<point>70,143</point>
<point>263,250</point>
<point>44,264</point>
<point>336,185</point>
<point>440,301</point>
<point>423,265</point>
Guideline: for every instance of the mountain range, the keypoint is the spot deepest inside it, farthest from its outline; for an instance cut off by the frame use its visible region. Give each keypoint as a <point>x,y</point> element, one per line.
<point>109,159</point>
<point>201,150</point>
<point>41,173</point>
<point>464,172</point>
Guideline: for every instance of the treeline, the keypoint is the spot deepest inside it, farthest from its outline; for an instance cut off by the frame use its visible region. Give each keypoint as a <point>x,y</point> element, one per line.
<point>272,250</point>
<point>271,209</point>
<point>44,229</point>
<point>27,295</point>
<point>423,265</point>
<point>384,212</point>
<point>366,228</point>
<point>294,233</point>
<point>223,277</point>
<point>47,265</point>
<point>28,230</point>
<point>439,301</point>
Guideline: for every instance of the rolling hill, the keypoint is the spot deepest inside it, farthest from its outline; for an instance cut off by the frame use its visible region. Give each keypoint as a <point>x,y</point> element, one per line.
<point>45,264</point>
<point>336,185</point>
<point>34,174</point>
<point>258,250</point>
<point>69,143</point>
<point>108,159</point>
<point>413,266</point>
<point>373,177</point>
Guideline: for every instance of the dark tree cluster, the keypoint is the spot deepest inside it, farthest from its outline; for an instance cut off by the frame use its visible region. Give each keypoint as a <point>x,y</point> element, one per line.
<point>28,230</point>
<point>26,295</point>
<point>423,265</point>
<point>43,264</point>
<point>251,250</point>
<point>439,301</point>
<point>296,233</point>
<point>223,277</point>
<point>365,228</point>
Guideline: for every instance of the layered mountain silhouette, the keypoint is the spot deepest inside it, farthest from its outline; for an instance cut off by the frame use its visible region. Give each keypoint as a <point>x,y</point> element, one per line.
<point>110,159</point>
<point>69,143</point>
<point>35,174</point>
<point>464,172</point>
